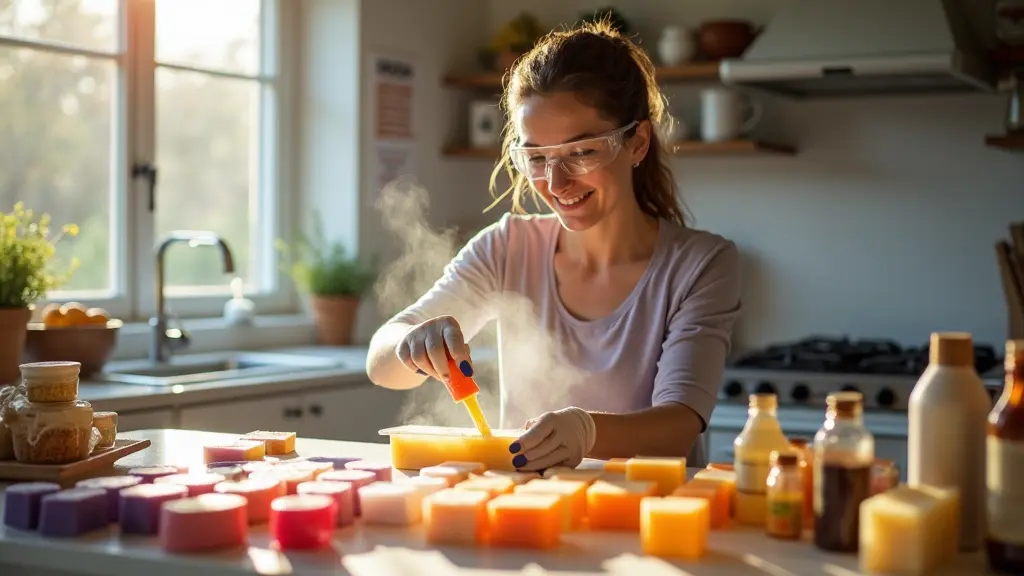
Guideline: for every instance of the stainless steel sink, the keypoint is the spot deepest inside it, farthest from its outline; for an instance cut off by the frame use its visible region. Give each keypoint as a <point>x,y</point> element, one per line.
<point>200,368</point>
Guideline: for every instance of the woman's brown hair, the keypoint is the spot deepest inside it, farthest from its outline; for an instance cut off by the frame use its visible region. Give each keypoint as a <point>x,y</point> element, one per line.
<point>609,72</point>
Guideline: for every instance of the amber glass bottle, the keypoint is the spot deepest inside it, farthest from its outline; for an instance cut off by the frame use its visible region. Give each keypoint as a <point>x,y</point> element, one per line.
<point>1005,475</point>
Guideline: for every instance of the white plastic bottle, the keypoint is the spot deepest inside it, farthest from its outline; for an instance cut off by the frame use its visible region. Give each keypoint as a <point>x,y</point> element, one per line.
<point>946,440</point>
<point>761,435</point>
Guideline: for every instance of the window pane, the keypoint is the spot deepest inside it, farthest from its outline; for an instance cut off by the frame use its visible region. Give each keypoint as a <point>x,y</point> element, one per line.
<point>56,136</point>
<point>213,34</point>
<point>207,138</point>
<point>91,24</point>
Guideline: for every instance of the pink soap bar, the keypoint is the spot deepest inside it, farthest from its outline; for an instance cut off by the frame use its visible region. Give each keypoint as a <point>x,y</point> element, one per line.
<point>426,485</point>
<point>196,483</point>
<point>357,478</point>
<point>237,450</point>
<point>113,486</point>
<point>342,492</point>
<point>140,506</point>
<point>387,503</point>
<point>290,477</point>
<point>205,522</point>
<point>258,493</point>
<point>302,521</point>
<point>450,474</point>
<point>380,469</point>
<point>153,472</point>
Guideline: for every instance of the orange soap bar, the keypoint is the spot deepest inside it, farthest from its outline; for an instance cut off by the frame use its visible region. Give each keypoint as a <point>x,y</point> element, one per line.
<point>525,520</point>
<point>717,495</point>
<point>617,465</point>
<point>238,451</point>
<point>616,505</point>
<point>459,385</point>
<point>467,467</point>
<point>674,526</point>
<point>573,494</point>
<point>515,477</point>
<point>278,443</point>
<point>456,516</point>
<point>668,473</point>
<point>586,476</point>
<point>726,479</point>
<point>492,486</point>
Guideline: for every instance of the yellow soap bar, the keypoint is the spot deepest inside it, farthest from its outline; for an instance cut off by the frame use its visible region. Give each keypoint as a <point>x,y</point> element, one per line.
<point>493,486</point>
<point>616,465</point>
<point>416,447</point>
<point>906,530</point>
<point>525,520</point>
<point>715,493</point>
<point>674,526</point>
<point>948,498</point>
<point>668,473</point>
<point>616,505</point>
<point>278,443</point>
<point>572,492</point>
<point>456,517</point>
<point>725,478</point>
<point>516,477</point>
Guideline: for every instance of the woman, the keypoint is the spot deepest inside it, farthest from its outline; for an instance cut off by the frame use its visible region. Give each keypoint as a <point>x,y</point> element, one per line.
<point>628,313</point>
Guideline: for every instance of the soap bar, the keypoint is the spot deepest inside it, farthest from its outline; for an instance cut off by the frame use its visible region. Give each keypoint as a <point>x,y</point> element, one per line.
<point>456,517</point>
<point>466,465</point>
<point>343,495</point>
<point>317,468</point>
<point>303,521</point>
<point>616,465</point>
<point>203,523</point>
<point>22,503</point>
<point>140,506</point>
<point>525,520</point>
<point>676,527</point>
<point>425,484</point>
<point>276,443</point>
<point>572,493</point>
<point>668,473</point>
<point>73,512</point>
<point>550,472</point>
<point>494,486</point>
<point>515,477</point>
<point>153,472</point>
<point>948,525</point>
<point>390,504</point>
<point>588,477</point>
<point>237,450</point>
<point>231,473</point>
<point>906,530</point>
<point>195,483</point>
<point>112,485</point>
<point>255,466</point>
<point>417,447</point>
<point>290,477</point>
<point>449,474</point>
<point>381,470</point>
<point>258,494</point>
<point>357,478</point>
<point>337,461</point>
<point>717,495</point>
<point>616,505</point>
<point>726,479</point>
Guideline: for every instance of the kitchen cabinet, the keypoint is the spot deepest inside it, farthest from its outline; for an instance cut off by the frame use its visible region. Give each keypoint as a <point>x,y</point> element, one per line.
<point>282,412</point>
<point>146,420</point>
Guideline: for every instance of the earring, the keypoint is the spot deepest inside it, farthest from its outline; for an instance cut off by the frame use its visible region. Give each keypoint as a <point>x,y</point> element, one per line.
<point>637,165</point>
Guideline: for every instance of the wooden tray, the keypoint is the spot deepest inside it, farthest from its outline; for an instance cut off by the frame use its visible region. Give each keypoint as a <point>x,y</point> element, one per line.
<point>65,473</point>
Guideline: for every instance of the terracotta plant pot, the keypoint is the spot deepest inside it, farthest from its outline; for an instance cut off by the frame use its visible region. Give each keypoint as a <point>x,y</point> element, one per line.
<point>335,318</point>
<point>507,59</point>
<point>13,328</point>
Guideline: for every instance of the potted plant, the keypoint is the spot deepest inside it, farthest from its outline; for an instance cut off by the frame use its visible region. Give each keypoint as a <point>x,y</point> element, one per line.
<point>27,274</point>
<point>334,281</point>
<point>514,39</point>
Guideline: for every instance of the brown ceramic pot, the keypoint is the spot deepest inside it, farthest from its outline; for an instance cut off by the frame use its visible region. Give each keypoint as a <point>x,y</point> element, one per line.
<point>335,318</point>
<point>720,39</point>
<point>13,327</point>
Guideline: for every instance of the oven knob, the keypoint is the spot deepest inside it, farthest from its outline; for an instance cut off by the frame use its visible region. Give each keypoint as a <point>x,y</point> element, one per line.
<point>885,398</point>
<point>800,392</point>
<point>765,388</point>
<point>733,389</point>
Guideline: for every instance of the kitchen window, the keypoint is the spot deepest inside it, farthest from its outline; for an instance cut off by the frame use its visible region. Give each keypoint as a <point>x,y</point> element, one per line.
<point>98,96</point>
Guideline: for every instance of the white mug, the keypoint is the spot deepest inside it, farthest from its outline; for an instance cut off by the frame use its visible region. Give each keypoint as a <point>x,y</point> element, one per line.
<point>726,114</point>
<point>484,124</point>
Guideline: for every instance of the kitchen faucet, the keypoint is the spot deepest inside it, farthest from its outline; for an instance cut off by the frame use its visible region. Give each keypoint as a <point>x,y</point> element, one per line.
<point>163,339</point>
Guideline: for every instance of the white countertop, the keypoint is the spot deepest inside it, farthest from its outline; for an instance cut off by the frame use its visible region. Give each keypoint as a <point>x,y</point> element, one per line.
<point>371,551</point>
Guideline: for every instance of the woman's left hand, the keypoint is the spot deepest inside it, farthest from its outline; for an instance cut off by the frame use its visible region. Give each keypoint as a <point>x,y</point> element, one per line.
<point>560,438</point>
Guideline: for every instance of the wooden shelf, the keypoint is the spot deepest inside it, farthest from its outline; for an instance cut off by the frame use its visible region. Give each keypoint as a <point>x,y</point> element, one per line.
<point>688,148</point>
<point>1007,141</point>
<point>692,72</point>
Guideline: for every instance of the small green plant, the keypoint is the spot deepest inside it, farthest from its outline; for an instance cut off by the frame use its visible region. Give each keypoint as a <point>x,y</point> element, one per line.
<point>28,270</point>
<point>324,268</point>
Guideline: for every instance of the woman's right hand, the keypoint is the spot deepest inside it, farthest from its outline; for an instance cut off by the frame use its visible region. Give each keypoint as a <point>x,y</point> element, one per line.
<point>426,346</point>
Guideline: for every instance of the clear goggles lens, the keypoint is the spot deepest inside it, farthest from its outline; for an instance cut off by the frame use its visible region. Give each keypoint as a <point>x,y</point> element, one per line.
<point>574,159</point>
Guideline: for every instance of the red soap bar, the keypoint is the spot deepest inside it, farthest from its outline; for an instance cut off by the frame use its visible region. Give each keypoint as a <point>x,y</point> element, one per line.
<point>459,385</point>
<point>196,483</point>
<point>258,492</point>
<point>342,492</point>
<point>357,478</point>
<point>303,521</point>
<point>381,470</point>
<point>206,522</point>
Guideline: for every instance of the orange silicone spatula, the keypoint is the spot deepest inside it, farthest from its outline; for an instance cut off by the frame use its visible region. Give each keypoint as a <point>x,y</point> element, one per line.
<point>464,389</point>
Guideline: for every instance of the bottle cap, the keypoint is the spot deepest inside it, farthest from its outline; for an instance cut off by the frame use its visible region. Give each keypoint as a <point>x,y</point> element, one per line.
<point>764,401</point>
<point>845,404</point>
<point>783,458</point>
<point>951,349</point>
<point>799,442</point>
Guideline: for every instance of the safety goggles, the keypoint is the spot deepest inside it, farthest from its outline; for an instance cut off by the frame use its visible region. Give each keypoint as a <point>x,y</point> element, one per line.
<point>575,159</point>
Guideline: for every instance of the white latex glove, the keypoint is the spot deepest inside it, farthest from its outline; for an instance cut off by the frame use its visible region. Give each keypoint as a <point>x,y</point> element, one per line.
<point>560,438</point>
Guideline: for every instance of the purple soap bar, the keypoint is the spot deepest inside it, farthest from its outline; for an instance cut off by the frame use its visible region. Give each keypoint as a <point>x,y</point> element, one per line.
<point>112,485</point>
<point>73,512</point>
<point>338,462</point>
<point>21,503</point>
<point>140,506</point>
<point>381,470</point>
<point>153,472</point>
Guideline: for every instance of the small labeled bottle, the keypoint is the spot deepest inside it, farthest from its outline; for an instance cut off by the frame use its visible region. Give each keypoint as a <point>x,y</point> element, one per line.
<point>1005,469</point>
<point>844,451</point>
<point>805,449</point>
<point>785,497</point>
<point>761,435</point>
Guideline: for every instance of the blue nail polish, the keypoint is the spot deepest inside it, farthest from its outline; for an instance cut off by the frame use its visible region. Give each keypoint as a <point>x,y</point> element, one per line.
<point>514,447</point>
<point>467,370</point>
<point>421,372</point>
<point>519,461</point>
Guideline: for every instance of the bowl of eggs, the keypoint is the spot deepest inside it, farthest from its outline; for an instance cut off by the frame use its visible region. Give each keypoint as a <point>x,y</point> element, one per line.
<point>73,333</point>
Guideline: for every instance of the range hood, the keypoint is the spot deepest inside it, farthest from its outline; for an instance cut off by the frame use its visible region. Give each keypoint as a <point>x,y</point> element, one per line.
<point>820,48</point>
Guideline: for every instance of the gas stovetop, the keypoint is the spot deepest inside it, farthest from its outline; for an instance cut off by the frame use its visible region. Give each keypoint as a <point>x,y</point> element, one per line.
<point>806,371</point>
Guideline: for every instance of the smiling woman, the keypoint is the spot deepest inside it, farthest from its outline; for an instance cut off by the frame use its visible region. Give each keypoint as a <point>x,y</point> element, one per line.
<point>614,318</point>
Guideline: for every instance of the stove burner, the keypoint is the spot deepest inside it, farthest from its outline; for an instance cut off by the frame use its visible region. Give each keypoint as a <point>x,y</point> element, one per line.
<point>846,356</point>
